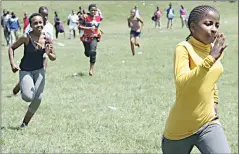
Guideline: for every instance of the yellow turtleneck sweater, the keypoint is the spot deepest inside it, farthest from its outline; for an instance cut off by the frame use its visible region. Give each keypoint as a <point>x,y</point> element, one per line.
<point>196,74</point>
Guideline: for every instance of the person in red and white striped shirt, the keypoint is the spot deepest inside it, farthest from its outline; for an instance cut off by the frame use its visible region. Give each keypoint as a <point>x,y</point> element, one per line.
<point>90,24</point>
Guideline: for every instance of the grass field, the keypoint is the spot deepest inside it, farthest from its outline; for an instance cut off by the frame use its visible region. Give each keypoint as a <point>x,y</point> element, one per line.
<point>76,113</point>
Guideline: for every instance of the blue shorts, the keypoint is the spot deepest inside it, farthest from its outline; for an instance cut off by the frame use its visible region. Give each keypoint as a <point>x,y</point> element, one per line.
<point>134,33</point>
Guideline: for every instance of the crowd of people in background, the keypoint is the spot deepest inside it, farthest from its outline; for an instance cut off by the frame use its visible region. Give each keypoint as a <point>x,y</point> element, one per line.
<point>12,28</point>
<point>170,14</point>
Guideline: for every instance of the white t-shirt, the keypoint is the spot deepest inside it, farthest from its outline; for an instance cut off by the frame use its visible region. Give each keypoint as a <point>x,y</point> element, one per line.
<point>5,20</point>
<point>73,19</point>
<point>48,29</point>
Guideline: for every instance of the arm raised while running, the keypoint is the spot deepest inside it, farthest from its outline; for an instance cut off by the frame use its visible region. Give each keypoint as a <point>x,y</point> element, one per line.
<point>129,22</point>
<point>183,74</point>
<point>14,46</point>
<point>50,49</point>
<point>83,27</point>
<point>141,21</point>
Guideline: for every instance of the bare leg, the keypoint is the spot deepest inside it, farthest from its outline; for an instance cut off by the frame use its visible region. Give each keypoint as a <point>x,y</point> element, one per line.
<point>91,69</point>
<point>132,46</point>
<point>137,42</point>
<point>92,53</point>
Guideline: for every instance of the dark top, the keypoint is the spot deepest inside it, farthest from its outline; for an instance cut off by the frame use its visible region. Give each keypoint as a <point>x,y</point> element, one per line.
<point>32,58</point>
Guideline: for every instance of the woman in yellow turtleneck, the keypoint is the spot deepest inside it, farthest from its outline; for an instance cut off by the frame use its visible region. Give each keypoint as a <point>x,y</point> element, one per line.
<point>192,120</point>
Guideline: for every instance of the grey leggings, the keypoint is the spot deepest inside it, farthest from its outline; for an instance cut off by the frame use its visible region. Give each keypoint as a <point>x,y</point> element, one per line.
<point>32,85</point>
<point>209,139</point>
<point>90,49</point>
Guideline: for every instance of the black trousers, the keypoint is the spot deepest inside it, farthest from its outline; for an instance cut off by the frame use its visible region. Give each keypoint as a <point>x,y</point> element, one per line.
<point>90,49</point>
<point>56,30</point>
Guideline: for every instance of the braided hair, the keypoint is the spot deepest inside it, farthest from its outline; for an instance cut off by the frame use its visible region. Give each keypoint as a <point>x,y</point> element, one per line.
<point>197,14</point>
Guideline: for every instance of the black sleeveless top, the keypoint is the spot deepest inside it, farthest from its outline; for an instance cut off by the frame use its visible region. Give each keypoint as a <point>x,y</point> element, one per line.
<point>32,58</point>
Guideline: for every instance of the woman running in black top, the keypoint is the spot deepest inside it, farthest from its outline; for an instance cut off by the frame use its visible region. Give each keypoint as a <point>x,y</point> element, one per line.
<point>31,70</point>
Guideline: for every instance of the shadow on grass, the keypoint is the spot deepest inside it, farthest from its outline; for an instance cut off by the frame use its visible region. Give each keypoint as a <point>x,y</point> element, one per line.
<point>14,127</point>
<point>80,74</point>
<point>10,96</point>
<point>11,128</point>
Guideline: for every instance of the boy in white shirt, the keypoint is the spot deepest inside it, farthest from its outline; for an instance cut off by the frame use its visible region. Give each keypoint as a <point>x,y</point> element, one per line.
<point>73,20</point>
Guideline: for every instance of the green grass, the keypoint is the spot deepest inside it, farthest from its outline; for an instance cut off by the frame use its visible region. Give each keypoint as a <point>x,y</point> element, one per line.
<point>74,114</point>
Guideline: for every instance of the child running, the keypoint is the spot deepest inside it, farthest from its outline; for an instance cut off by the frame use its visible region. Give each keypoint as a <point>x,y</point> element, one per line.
<point>92,35</point>
<point>73,20</point>
<point>59,28</point>
<point>31,69</point>
<point>193,120</point>
<point>136,24</point>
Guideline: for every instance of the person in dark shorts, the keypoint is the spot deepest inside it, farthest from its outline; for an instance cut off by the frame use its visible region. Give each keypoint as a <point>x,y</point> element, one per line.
<point>135,24</point>
<point>170,16</point>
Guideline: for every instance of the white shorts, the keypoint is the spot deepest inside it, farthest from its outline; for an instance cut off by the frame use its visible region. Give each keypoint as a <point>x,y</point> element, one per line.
<point>73,26</point>
<point>183,17</point>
